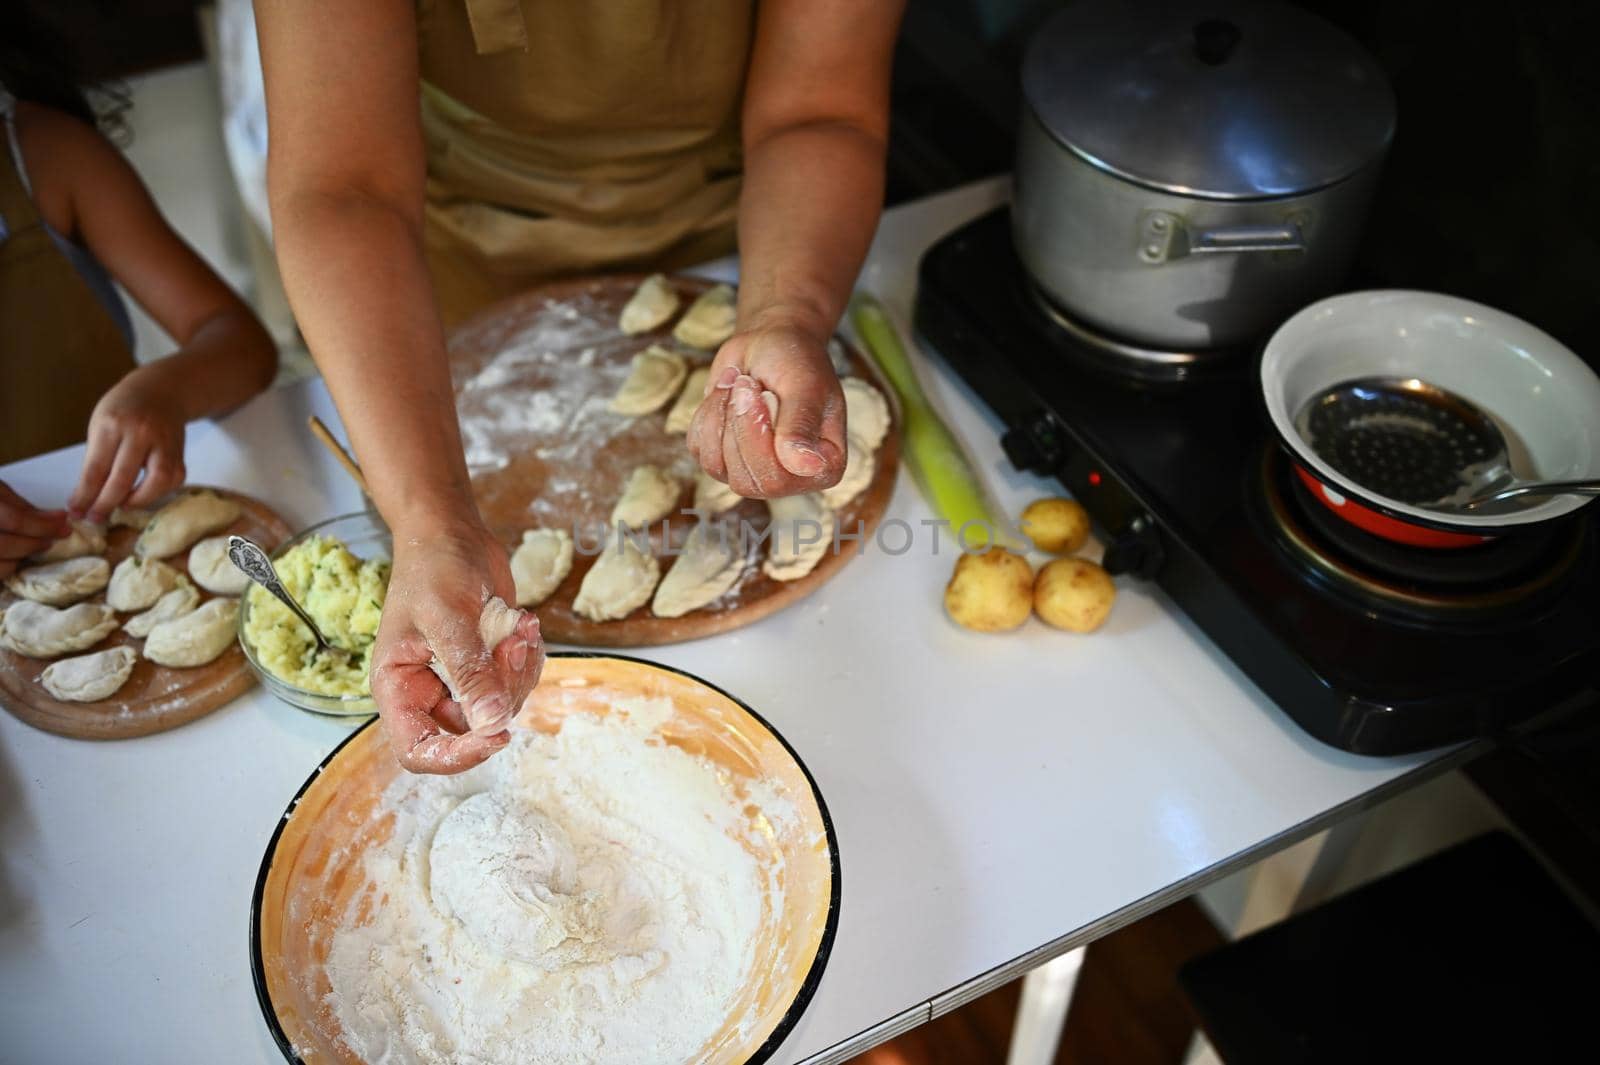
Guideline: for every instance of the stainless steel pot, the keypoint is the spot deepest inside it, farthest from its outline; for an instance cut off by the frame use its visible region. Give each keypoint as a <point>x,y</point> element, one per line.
<point>1188,176</point>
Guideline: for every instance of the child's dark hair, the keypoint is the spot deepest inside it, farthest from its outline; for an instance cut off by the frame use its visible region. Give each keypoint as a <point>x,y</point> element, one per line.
<point>37,65</point>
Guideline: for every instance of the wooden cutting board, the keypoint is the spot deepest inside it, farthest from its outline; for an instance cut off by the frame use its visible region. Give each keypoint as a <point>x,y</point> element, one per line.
<point>155,698</point>
<point>533,378</point>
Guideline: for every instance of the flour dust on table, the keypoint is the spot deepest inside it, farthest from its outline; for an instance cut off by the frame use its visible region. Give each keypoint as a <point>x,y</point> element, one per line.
<point>583,896</point>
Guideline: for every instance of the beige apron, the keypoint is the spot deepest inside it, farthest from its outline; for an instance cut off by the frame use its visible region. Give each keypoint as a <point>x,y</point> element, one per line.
<point>576,136</point>
<point>60,350</point>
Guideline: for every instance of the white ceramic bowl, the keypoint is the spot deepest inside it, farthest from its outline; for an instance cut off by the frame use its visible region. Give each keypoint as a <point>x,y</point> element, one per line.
<point>1543,397</point>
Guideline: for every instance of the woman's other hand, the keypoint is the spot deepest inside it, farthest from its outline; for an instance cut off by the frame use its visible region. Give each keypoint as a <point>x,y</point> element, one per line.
<point>441,579</point>
<point>735,438</point>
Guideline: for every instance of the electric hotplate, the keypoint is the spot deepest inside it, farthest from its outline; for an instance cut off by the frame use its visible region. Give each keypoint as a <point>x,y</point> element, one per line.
<point>1369,647</point>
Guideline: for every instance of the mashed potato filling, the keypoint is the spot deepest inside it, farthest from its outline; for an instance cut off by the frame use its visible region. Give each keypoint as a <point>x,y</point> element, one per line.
<point>344,596</point>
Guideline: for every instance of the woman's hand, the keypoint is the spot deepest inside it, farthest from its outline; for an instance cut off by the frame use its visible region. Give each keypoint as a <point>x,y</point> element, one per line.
<point>441,579</point>
<point>136,427</point>
<point>733,435</point>
<point>24,529</point>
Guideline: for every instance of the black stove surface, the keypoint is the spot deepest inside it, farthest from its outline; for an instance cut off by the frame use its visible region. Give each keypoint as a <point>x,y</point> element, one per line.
<point>1186,487</point>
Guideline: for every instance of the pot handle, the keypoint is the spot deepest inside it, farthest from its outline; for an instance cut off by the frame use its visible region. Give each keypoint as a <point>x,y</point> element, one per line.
<point>1166,237</point>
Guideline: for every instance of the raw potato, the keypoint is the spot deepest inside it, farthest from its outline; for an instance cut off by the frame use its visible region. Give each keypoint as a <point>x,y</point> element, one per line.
<point>176,603</point>
<point>619,582</point>
<point>991,591</point>
<point>860,463</point>
<point>694,390</point>
<point>213,570</point>
<point>195,638</point>
<point>655,378</point>
<point>60,583</point>
<point>710,320</point>
<point>1059,526</point>
<point>90,678</point>
<point>802,532</point>
<point>866,412</point>
<point>540,563</point>
<point>41,631</point>
<point>650,306</point>
<point>709,564</point>
<point>495,622</point>
<point>649,495</point>
<point>711,496</point>
<point>137,583</point>
<point>85,539</point>
<point>183,521</point>
<point>1074,594</point>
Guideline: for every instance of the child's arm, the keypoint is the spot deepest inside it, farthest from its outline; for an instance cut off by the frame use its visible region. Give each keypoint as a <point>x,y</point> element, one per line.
<point>86,189</point>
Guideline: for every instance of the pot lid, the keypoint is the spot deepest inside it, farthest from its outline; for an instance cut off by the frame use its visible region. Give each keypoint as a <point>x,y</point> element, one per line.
<point>1228,100</point>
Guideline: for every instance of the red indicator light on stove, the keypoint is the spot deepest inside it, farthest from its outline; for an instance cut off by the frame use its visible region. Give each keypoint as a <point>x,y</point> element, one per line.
<point>1094,478</point>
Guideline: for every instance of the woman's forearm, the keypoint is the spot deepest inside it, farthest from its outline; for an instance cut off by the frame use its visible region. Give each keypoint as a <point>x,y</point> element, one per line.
<point>811,200</point>
<point>355,274</point>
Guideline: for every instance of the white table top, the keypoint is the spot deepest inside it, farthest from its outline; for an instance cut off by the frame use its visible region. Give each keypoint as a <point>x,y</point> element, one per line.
<point>994,795</point>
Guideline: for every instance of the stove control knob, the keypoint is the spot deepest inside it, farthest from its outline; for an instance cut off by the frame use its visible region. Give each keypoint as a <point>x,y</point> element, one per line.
<point>1137,550</point>
<point>1036,446</point>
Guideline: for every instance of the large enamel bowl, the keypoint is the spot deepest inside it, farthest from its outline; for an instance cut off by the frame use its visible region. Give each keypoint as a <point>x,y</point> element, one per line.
<point>313,864</point>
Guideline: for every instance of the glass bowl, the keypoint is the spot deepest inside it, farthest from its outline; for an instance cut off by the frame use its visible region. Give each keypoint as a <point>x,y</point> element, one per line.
<point>366,536</point>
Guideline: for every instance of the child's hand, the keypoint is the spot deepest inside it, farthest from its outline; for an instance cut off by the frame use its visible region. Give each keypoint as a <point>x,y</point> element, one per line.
<point>24,529</point>
<point>135,427</point>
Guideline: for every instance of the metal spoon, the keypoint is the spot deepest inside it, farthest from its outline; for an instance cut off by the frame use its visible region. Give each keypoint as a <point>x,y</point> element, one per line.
<point>1418,443</point>
<point>254,563</point>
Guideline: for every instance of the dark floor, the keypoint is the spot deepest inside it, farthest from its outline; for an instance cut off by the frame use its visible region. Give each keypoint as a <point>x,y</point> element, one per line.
<point>1127,1009</point>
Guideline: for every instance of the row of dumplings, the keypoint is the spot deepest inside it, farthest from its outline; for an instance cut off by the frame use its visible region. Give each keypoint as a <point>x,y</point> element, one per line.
<point>49,619</point>
<point>711,561</point>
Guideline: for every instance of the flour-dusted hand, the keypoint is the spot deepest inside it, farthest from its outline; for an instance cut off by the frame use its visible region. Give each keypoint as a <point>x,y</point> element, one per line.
<point>441,580</point>
<point>25,529</point>
<point>735,436</point>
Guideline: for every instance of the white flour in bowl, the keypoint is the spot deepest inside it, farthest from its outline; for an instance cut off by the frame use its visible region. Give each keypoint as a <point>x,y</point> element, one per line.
<point>580,897</point>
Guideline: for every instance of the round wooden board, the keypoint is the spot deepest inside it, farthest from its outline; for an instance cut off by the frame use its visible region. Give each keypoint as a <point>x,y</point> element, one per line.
<point>155,698</point>
<point>534,377</point>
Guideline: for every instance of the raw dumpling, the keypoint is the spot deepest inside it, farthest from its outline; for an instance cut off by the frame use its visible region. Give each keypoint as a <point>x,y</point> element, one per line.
<point>649,495</point>
<point>619,582</point>
<point>137,583</point>
<point>709,564</point>
<point>89,678</point>
<point>176,603</point>
<point>129,518</point>
<point>41,631</point>
<point>183,521</point>
<point>195,638</point>
<point>650,306</point>
<point>866,412</point>
<point>213,570</point>
<point>540,563</point>
<point>711,496</point>
<point>710,320</point>
<point>496,621</point>
<point>859,465</point>
<point>694,390</point>
<point>802,532</point>
<point>60,583</point>
<point>85,539</point>
<point>656,376</point>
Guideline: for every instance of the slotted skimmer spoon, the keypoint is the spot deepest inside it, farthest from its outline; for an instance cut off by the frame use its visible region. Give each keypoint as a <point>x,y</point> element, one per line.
<point>1414,442</point>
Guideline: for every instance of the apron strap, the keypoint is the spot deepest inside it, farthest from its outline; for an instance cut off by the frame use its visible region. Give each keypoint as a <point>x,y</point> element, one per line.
<point>497,26</point>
